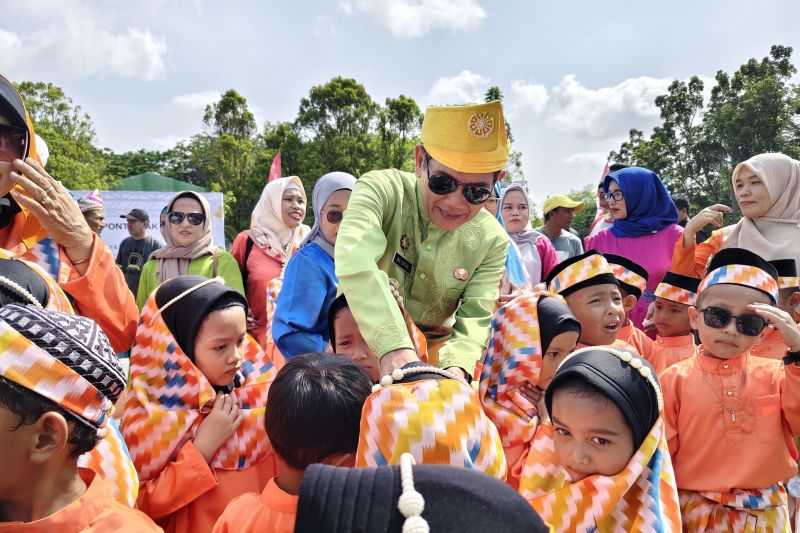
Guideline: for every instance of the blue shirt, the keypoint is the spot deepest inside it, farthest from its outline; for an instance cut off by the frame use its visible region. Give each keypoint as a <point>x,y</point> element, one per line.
<point>300,324</point>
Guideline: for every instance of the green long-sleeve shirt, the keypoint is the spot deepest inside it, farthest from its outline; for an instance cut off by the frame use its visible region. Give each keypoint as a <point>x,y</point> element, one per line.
<point>386,233</point>
<point>227,269</point>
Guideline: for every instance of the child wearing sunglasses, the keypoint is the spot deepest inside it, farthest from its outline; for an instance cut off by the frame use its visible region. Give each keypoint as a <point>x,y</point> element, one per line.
<point>731,416</point>
<point>300,324</point>
<point>675,340</point>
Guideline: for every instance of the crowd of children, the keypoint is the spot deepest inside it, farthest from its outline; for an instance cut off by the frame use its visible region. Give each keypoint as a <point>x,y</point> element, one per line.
<point>575,419</point>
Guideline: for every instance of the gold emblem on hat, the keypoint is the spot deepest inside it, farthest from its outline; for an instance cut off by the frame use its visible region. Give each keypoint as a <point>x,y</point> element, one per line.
<point>461,274</point>
<point>480,125</point>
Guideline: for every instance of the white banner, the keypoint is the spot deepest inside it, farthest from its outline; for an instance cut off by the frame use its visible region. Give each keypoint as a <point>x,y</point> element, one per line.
<point>119,203</point>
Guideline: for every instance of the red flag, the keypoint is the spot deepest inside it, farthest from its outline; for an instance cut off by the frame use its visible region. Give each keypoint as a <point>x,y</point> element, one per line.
<point>605,171</point>
<point>275,168</point>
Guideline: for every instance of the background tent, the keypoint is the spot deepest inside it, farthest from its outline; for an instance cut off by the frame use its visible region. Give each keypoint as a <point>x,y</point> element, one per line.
<point>151,181</point>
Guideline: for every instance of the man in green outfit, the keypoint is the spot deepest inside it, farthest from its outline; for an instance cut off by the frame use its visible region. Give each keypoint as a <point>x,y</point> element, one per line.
<point>429,232</point>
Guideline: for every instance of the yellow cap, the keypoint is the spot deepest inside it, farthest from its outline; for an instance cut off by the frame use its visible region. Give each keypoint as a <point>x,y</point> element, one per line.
<point>467,138</point>
<point>561,200</point>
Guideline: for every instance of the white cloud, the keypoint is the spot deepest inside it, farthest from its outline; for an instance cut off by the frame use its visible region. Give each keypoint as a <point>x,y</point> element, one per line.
<point>606,111</point>
<point>528,97</point>
<point>197,101</point>
<point>77,43</point>
<point>597,159</point>
<point>416,18</point>
<point>324,27</point>
<point>464,88</point>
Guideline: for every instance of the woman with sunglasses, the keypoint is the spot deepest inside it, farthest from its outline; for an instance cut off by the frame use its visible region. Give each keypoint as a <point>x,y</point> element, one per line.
<point>309,282</point>
<point>41,222</point>
<point>645,228</point>
<point>190,248</point>
<point>276,231</point>
<point>430,232</point>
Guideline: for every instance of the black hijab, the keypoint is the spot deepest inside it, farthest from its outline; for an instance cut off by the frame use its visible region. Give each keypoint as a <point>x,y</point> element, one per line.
<point>555,318</point>
<point>24,276</point>
<point>355,500</point>
<point>185,316</point>
<point>621,383</point>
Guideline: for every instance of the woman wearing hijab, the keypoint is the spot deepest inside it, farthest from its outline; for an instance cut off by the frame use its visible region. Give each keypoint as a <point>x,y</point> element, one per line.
<point>645,228</point>
<point>515,277</point>
<point>301,321</point>
<point>276,231</point>
<point>190,248</point>
<point>530,336</point>
<point>536,250</point>
<point>193,416</point>
<point>767,189</point>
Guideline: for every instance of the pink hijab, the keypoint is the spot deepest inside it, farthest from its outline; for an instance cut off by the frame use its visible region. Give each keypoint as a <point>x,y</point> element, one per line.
<point>776,235</point>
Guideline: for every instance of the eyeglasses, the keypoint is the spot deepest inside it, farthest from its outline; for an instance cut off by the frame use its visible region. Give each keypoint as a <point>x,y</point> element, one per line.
<point>748,324</point>
<point>195,219</point>
<point>15,137</point>
<point>441,184</point>
<point>617,196</point>
<point>334,217</point>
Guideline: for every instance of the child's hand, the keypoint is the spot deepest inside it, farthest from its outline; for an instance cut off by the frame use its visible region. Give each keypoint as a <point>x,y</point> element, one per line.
<point>782,321</point>
<point>218,426</point>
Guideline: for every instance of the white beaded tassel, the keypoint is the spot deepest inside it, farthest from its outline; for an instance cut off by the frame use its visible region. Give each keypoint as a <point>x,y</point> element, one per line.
<point>411,503</point>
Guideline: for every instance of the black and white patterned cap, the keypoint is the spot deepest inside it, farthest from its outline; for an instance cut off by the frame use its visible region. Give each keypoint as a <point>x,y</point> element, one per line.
<point>76,341</point>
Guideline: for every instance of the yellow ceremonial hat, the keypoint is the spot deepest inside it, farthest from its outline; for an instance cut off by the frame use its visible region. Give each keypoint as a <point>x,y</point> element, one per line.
<point>468,138</point>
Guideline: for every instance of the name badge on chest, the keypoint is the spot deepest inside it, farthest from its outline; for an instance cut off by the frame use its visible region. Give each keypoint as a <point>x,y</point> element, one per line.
<point>402,262</point>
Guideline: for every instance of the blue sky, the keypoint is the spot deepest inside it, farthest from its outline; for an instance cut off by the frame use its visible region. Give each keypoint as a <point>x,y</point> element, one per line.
<point>577,75</point>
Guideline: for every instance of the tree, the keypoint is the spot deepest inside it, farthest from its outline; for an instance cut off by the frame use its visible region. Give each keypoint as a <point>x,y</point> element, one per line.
<point>230,116</point>
<point>696,146</point>
<point>69,135</point>
<point>399,126</point>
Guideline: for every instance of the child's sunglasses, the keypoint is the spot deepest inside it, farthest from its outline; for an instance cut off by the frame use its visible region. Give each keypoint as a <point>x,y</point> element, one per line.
<point>748,324</point>
<point>195,219</point>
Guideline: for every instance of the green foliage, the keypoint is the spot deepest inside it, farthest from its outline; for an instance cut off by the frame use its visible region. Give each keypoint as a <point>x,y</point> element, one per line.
<point>584,218</point>
<point>697,144</point>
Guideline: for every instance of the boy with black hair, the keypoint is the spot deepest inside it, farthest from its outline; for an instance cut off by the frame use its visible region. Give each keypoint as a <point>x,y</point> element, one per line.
<point>313,416</point>
<point>730,416</point>
<point>59,379</point>
<point>675,340</point>
<point>592,292</point>
<point>772,345</point>
<point>632,278</point>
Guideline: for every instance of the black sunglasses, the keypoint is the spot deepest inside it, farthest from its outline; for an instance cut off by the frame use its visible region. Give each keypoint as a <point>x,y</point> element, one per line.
<point>195,219</point>
<point>16,138</point>
<point>334,217</point>
<point>441,184</point>
<point>748,324</point>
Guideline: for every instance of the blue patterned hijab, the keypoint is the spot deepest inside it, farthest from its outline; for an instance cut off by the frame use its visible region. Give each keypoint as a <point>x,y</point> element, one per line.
<point>650,207</point>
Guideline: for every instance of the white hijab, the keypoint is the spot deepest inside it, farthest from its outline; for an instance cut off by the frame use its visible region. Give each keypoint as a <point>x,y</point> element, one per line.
<point>267,228</point>
<point>776,235</point>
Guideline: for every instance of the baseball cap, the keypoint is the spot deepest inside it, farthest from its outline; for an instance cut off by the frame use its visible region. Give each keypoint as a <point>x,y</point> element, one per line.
<point>561,200</point>
<point>138,214</point>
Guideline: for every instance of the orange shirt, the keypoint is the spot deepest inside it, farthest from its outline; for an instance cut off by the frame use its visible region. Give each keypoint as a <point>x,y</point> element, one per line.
<point>189,496</point>
<point>637,338</point>
<point>730,422</point>
<point>273,510</point>
<point>671,350</point>
<point>95,512</point>
<point>771,346</point>
<point>693,260</point>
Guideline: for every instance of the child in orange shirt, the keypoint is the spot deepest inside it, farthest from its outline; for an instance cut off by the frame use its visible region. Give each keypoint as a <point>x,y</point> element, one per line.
<point>59,379</point>
<point>772,344</point>
<point>592,292</point>
<point>675,340</point>
<point>632,279</point>
<point>194,414</point>
<point>601,462</point>
<point>313,412</point>
<point>731,416</point>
